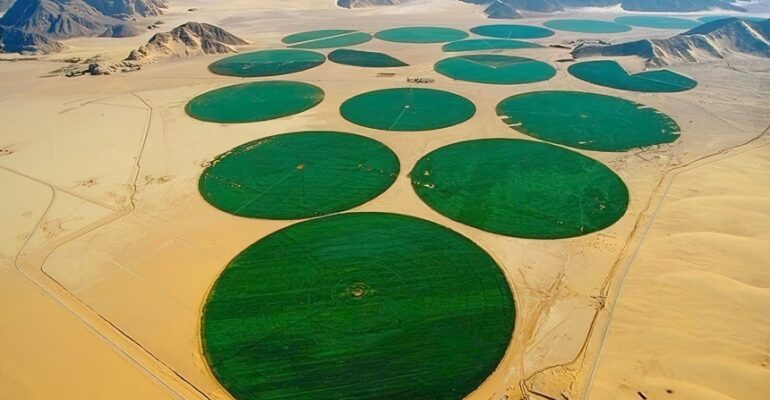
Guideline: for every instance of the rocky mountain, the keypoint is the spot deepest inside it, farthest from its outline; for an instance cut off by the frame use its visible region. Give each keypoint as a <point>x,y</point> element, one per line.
<point>513,8</point>
<point>56,18</point>
<point>190,39</point>
<point>125,9</point>
<point>5,4</point>
<point>711,41</point>
<point>13,40</point>
<point>367,3</point>
<point>121,30</point>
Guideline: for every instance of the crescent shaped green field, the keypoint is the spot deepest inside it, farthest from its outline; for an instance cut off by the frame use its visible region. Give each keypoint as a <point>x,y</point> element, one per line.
<point>520,188</point>
<point>367,59</point>
<point>587,121</point>
<point>511,31</point>
<point>611,74</point>
<point>407,109</point>
<point>358,306</point>
<point>657,22</point>
<point>299,175</point>
<point>267,63</point>
<point>255,101</point>
<point>421,35</point>
<point>495,69</point>
<point>488,44</point>
<point>586,26</point>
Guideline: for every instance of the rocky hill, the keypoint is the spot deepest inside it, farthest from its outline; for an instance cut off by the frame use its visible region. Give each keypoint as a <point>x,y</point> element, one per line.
<point>5,4</point>
<point>190,39</point>
<point>126,9</point>
<point>711,41</point>
<point>13,40</point>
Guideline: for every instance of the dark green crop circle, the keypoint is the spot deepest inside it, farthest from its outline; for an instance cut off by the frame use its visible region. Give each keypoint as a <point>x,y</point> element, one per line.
<point>299,175</point>
<point>421,34</point>
<point>407,109</point>
<point>587,120</point>
<point>255,101</point>
<point>356,307</point>
<point>512,31</point>
<point>520,188</point>
<point>495,69</point>
<point>267,63</point>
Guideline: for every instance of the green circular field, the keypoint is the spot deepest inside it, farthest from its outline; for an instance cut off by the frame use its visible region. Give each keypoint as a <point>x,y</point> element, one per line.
<point>367,59</point>
<point>520,188</point>
<point>587,26</point>
<point>299,175</point>
<point>610,74</point>
<point>358,306</point>
<point>315,35</point>
<point>657,22</point>
<point>488,44</point>
<point>510,31</point>
<point>267,63</point>
<point>343,40</point>
<point>712,18</point>
<point>587,121</point>
<point>255,101</point>
<point>421,34</point>
<point>495,69</point>
<point>407,109</point>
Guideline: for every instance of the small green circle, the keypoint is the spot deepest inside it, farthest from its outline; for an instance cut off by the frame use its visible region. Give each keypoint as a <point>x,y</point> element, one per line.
<point>358,306</point>
<point>657,22</point>
<point>267,63</point>
<point>510,31</point>
<point>421,34</point>
<point>255,101</point>
<point>587,121</point>
<point>610,74</point>
<point>299,175</point>
<point>407,109</point>
<point>520,188</point>
<point>495,69</point>
<point>587,26</point>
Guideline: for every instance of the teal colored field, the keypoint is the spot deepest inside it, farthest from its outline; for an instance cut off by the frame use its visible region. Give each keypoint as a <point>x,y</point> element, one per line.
<point>495,69</point>
<point>299,175</point>
<point>512,31</point>
<point>358,306</point>
<point>657,22</point>
<point>712,18</point>
<point>611,74</point>
<point>255,101</point>
<point>315,35</point>
<point>267,63</point>
<point>407,109</point>
<point>587,121</point>
<point>488,44</point>
<point>345,40</point>
<point>367,59</point>
<point>421,34</point>
<point>586,26</point>
<point>520,188</point>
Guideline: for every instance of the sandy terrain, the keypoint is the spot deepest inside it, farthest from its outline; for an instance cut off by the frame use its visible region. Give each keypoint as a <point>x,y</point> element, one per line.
<point>106,218</point>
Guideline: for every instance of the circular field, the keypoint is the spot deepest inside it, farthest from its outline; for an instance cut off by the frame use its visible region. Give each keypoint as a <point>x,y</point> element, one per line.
<point>358,306</point>
<point>407,109</point>
<point>657,22</point>
<point>421,34</point>
<point>489,44</point>
<point>587,120</point>
<point>512,31</point>
<point>267,63</point>
<point>520,188</point>
<point>495,69</point>
<point>587,26</point>
<point>367,59</point>
<point>255,101</point>
<point>344,40</point>
<point>712,18</point>
<point>611,74</point>
<point>315,35</point>
<point>299,175</point>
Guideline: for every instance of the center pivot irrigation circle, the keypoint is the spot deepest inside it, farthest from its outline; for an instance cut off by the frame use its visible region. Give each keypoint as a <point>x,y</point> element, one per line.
<point>495,69</point>
<point>520,188</point>
<point>421,34</point>
<point>299,175</point>
<point>267,63</point>
<point>407,109</point>
<point>358,306</point>
<point>255,101</point>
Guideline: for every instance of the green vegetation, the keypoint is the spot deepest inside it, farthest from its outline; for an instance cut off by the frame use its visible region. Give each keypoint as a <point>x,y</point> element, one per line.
<point>314,35</point>
<point>356,307</point>
<point>520,188</point>
<point>349,39</point>
<point>255,101</point>
<point>495,69</point>
<point>421,34</point>
<point>267,63</point>
<point>587,26</point>
<point>512,31</point>
<point>299,175</point>
<point>488,44</point>
<point>611,74</point>
<point>587,120</point>
<point>365,59</point>
<point>407,109</point>
<point>712,18</point>
<point>657,22</point>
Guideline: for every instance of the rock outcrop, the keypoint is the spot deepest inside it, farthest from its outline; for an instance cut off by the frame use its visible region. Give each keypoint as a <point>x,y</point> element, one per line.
<point>5,4</point>
<point>190,39</point>
<point>13,40</point>
<point>121,30</point>
<point>125,9</point>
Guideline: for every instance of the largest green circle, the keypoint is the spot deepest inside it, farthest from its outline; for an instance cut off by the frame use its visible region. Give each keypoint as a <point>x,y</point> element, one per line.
<point>255,101</point>
<point>510,31</point>
<point>299,175</point>
<point>407,109</point>
<point>267,63</point>
<point>421,34</point>
<point>358,306</point>
<point>520,188</point>
<point>587,121</point>
<point>495,69</point>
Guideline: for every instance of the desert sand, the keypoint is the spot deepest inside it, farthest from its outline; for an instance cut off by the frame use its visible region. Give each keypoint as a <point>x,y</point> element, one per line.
<point>110,250</point>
